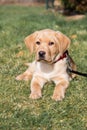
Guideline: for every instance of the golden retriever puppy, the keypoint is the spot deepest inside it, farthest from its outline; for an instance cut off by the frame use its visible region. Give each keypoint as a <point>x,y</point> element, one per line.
<point>50,63</point>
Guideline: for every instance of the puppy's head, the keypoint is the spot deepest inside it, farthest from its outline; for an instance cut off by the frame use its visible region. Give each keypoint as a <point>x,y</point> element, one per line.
<point>47,44</point>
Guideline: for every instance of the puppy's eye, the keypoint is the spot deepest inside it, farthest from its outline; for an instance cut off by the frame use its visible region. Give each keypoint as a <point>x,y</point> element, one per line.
<point>38,43</point>
<point>51,43</point>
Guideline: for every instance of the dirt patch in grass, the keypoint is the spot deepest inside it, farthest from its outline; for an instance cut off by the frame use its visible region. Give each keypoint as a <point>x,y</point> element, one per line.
<point>75,17</point>
<point>21,3</point>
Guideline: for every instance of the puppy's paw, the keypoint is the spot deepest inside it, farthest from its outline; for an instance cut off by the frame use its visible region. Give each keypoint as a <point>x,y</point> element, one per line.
<point>58,96</point>
<point>35,95</point>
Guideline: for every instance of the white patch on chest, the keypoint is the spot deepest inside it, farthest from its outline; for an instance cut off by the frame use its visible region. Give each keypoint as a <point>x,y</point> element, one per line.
<point>48,71</point>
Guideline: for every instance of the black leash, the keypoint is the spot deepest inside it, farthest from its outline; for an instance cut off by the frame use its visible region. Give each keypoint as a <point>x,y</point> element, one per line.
<point>76,72</point>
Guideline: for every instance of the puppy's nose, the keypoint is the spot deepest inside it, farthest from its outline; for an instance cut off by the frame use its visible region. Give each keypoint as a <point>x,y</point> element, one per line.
<point>42,54</point>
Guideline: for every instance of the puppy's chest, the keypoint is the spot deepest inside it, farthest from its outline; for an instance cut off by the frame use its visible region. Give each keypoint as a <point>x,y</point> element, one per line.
<point>50,71</point>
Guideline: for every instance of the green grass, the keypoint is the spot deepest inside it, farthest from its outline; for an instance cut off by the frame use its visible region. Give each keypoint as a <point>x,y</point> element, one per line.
<point>17,111</point>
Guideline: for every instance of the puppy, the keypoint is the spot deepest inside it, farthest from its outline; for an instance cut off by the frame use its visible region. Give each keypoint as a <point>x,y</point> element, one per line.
<point>50,63</point>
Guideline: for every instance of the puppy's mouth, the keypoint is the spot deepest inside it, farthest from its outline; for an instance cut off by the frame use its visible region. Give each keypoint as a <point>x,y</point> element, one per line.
<point>44,60</point>
<point>50,60</point>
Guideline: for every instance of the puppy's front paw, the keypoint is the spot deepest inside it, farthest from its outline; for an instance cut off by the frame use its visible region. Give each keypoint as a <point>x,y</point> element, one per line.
<point>58,96</point>
<point>35,95</point>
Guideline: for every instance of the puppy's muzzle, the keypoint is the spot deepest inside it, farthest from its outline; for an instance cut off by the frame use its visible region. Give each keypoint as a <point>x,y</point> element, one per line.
<point>41,55</point>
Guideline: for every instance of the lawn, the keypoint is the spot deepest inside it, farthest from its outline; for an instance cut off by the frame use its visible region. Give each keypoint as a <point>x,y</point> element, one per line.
<point>17,111</point>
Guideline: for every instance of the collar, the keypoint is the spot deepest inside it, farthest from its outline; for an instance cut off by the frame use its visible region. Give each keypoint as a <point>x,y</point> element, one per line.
<point>61,57</point>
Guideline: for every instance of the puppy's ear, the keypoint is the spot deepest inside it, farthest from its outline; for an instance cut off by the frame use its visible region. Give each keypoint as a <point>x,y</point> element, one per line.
<point>30,41</point>
<point>64,42</point>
